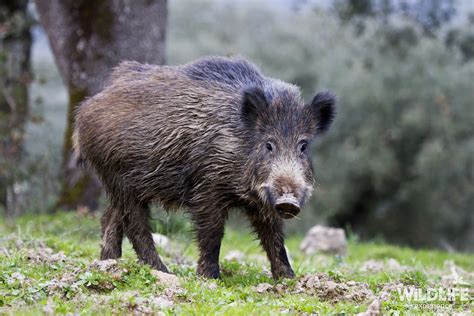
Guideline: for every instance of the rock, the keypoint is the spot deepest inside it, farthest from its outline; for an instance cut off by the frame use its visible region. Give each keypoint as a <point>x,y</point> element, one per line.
<point>372,266</point>
<point>212,286</point>
<point>103,265</point>
<point>379,265</point>
<point>161,241</point>
<point>263,287</point>
<point>375,308</point>
<point>234,255</point>
<point>388,291</point>
<point>162,302</point>
<point>45,255</point>
<point>394,265</point>
<point>324,239</point>
<point>143,305</point>
<point>331,287</point>
<point>280,289</point>
<point>166,278</point>
<point>323,286</point>
<point>174,290</point>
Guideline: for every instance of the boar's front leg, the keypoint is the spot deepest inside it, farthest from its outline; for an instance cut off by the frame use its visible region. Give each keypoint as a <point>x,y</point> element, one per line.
<point>209,229</point>
<point>270,233</point>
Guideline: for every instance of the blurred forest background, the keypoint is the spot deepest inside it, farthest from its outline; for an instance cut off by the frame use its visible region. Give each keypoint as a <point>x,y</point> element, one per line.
<point>397,165</point>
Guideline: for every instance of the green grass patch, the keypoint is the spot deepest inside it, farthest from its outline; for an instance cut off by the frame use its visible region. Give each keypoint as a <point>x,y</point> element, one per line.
<point>48,264</point>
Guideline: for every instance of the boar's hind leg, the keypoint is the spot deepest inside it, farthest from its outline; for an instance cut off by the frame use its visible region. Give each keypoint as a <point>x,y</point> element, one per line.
<point>138,231</point>
<point>209,229</point>
<point>112,234</point>
<point>270,233</point>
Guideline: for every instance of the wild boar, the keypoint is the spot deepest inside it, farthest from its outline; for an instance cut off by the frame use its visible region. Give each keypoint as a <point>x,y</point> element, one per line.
<point>207,137</point>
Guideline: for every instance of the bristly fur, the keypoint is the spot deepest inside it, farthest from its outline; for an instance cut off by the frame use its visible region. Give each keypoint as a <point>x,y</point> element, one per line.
<point>197,137</point>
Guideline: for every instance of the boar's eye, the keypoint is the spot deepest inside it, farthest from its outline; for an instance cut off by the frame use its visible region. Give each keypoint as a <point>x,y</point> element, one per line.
<point>269,146</point>
<point>302,147</point>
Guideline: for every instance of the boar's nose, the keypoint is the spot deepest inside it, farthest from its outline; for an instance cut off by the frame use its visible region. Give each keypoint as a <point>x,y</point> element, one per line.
<point>287,206</point>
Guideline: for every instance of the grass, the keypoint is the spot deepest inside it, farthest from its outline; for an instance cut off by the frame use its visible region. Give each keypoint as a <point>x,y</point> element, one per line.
<point>48,265</point>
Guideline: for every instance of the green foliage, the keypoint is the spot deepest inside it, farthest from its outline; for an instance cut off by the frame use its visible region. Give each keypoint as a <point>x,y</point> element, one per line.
<point>172,223</point>
<point>462,38</point>
<point>430,15</point>
<point>414,278</point>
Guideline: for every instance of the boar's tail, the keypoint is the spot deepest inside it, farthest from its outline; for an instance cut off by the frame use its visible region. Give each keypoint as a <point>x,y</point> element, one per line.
<point>77,156</point>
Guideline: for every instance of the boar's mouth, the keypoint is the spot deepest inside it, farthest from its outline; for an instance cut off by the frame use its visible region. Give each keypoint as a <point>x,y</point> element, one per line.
<point>287,206</point>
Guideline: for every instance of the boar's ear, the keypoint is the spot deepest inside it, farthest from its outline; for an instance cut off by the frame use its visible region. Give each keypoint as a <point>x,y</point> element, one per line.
<point>254,105</point>
<point>322,109</point>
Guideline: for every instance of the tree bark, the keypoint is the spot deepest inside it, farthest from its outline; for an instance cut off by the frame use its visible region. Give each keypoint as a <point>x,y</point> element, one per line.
<point>88,39</point>
<point>15,76</point>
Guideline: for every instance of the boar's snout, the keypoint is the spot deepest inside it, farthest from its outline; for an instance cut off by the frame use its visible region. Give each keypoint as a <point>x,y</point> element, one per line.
<point>287,206</point>
<point>287,188</point>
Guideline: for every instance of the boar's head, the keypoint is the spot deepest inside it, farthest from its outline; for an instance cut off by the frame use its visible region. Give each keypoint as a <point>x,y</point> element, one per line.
<point>280,128</point>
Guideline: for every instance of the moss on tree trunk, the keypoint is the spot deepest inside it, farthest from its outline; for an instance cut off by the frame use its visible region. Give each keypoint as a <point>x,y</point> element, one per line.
<point>80,187</point>
<point>15,46</point>
<point>88,39</point>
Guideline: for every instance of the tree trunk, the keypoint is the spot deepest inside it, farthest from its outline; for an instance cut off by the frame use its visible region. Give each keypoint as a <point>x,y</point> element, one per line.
<point>88,39</point>
<point>15,45</point>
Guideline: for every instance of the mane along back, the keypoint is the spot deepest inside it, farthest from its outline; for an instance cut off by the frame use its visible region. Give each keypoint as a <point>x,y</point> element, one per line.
<point>233,72</point>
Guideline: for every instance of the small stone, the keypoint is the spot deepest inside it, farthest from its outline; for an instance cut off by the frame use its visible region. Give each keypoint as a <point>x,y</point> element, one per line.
<point>311,281</point>
<point>166,278</point>
<point>375,308</point>
<point>212,286</point>
<point>331,286</point>
<point>263,287</point>
<point>280,289</point>
<point>104,265</point>
<point>343,287</point>
<point>235,255</point>
<point>57,257</point>
<point>378,265</point>
<point>324,239</point>
<point>388,290</point>
<point>162,302</point>
<point>161,241</point>
<point>372,266</point>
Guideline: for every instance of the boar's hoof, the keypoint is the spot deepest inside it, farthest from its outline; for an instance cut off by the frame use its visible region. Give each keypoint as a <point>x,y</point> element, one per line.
<point>209,272</point>
<point>160,266</point>
<point>283,273</point>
